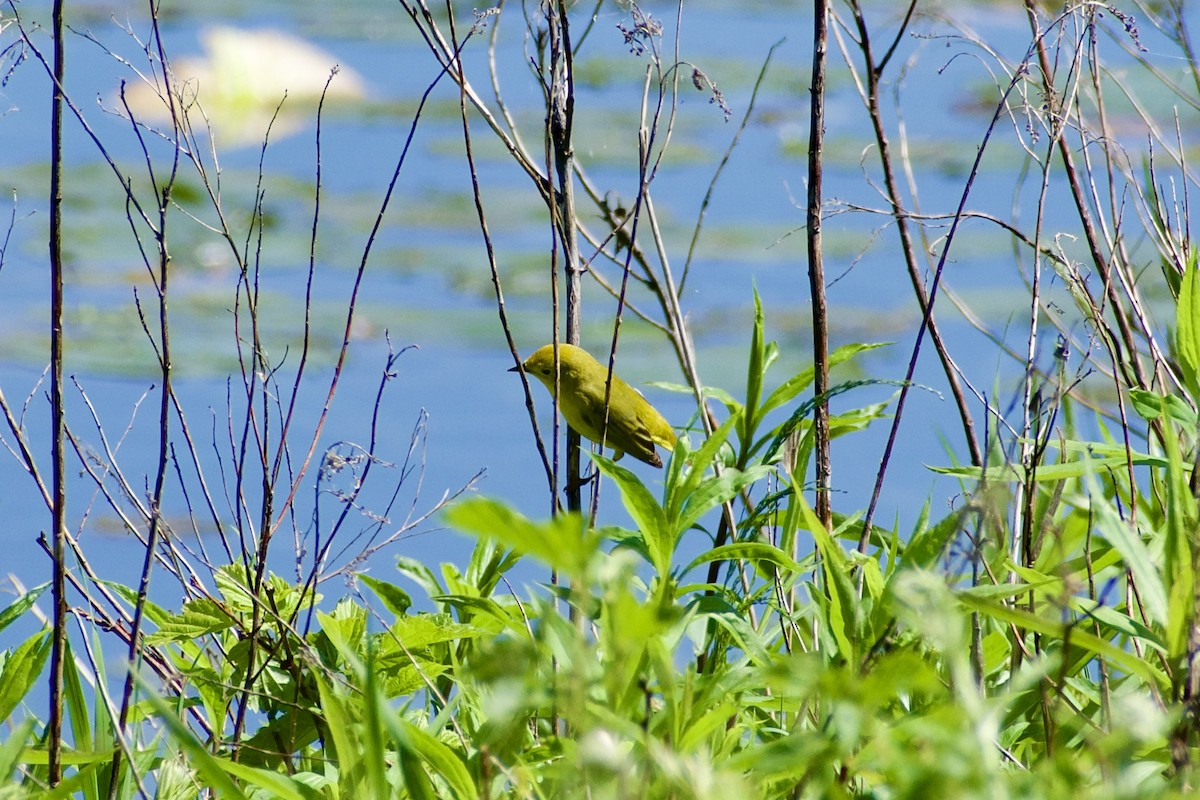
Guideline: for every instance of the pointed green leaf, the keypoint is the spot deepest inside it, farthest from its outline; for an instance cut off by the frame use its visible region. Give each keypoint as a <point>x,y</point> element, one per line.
<point>21,670</point>
<point>1150,406</point>
<point>12,744</point>
<point>926,546</point>
<point>1187,324</point>
<point>1179,560</point>
<point>754,377</point>
<point>435,755</point>
<point>748,551</point>
<point>678,491</point>
<point>715,491</point>
<point>803,379</point>
<point>395,599</point>
<point>835,566</point>
<point>18,607</point>
<point>647,514</point>
<point>562,542</point>
<point>211,769</point>
<point>1134,553</point>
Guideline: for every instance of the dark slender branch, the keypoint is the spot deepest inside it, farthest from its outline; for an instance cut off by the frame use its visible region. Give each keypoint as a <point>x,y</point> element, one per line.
<point>816,267</point>
<point>879,68</point>
<point>308,286</point>
<point>561,122</point>
<point>57,413</point>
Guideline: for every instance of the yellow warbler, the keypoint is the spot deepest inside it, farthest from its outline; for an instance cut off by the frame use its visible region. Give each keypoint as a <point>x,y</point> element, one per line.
<point>634,426</point>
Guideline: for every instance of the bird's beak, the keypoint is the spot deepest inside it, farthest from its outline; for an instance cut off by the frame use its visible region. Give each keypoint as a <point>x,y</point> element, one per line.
<point>515,369</point>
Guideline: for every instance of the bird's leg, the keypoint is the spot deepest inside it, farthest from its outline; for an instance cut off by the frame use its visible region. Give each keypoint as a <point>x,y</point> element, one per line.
<point>582,482</point>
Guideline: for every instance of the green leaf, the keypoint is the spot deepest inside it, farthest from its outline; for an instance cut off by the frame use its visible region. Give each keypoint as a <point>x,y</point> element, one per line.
<point>1118,621</point>
<point>13,744</point>
<point>152,612</point>
<point>1187,325</point>
<point>747,551</point>
<point>754,377</point>
<point>678,491</point>
<point>395,599</point>
<point>18,607</point>
<point>745,638</point>
<point>199,618</point>
<point>715,491</point>
<point>724,397</point>
<point>76,784</point>
<point>77,707</point>
<point>211,769</point>
<point>562,542</point>
<point>420,573</point>
<point>647,514</point>
<point>1015,473</point>
<point>284,787</point>
<point>345,628</point>
<point>418,631</point>
<point>872,574</point>
<point>374,748</point>
<point>231,583</point>
<point>843,600</point>
<point>803,379</point>
<point>480,608</point>
<point>21,670</point>
<point>850,421</point>
<point>435,754</point>
<point>1179,559</point>
<point>341,718</point>
<point>1150,406</point>
<point>926,546</point>
<point>1135,555</point>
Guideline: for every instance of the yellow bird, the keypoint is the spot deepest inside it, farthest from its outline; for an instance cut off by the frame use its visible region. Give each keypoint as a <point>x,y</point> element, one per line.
<point>634,426</point>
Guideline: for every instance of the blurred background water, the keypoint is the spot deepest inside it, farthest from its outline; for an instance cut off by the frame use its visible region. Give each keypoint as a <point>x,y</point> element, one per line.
<point>427,282</point>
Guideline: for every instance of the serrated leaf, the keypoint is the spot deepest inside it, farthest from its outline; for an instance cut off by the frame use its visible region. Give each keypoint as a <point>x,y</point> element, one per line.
<point>199,618</point>
<point>422,630</point>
